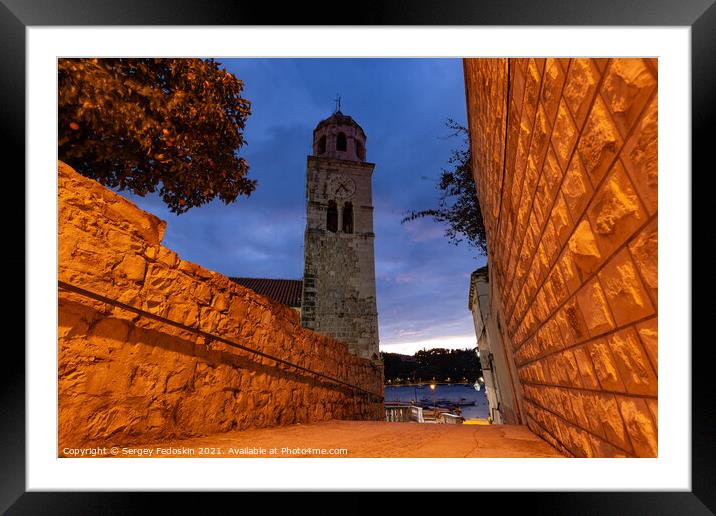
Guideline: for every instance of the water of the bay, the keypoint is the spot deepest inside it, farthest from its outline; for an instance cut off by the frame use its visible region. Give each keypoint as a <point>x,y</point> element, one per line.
<point>443,391</point>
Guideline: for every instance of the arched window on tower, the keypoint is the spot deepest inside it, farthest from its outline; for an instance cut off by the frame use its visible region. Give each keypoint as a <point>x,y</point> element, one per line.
<point>360,150</point>
<point>332,217</point>
<point>341,142</point>
<point>322,145</point>
<point>348,217</point>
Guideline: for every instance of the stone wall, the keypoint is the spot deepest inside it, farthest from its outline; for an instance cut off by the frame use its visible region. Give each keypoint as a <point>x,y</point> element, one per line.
<point>126,379</point>
<point>565,161</point>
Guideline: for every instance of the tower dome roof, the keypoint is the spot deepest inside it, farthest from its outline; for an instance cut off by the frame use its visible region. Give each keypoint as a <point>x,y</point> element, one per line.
<point>339,137</point>
<point>338,118</point>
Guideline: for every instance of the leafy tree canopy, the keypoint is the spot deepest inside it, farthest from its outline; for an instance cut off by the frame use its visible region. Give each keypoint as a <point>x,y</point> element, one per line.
<point>458,206</point>
<point>138,123</point>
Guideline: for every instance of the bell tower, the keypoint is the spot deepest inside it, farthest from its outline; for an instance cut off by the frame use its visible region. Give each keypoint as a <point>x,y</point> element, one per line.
<point>338,298</point>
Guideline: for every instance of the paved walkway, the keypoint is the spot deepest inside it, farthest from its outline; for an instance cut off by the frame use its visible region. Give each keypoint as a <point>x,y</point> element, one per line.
<point>360,439</point>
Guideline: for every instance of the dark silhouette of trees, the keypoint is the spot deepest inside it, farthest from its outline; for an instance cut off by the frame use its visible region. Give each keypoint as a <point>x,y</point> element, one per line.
<point>437,364</point>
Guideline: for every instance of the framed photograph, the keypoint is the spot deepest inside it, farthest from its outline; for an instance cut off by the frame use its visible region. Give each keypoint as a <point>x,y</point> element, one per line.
<point>424,245</point>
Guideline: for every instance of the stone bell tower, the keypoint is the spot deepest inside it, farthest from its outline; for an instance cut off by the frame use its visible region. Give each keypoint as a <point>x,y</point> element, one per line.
<point>338,297</point>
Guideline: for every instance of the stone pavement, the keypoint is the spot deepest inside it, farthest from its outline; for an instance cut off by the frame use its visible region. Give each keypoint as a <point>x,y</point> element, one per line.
<point>359,439</point>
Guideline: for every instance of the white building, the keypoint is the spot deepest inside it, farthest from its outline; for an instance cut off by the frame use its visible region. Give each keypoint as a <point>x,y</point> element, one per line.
<point>497,370</point>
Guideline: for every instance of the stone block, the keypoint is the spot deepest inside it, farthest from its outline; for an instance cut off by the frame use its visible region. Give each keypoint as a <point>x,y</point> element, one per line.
<point>603,449</point>
<point>539,204</point>
<point>640,156</point>
<point>530,285</point>
<point>640,426</point>
<point>612,422</point>
<point>649,334</point>
<point>654,410</point>
<point>220,302</point>
<point>644,249</point>
<point>571,322</point>
<point>569,365</point>
<point>599,142</point>
<point>578,410</point>
<point>627,85</point>
<point>576,188</point>
<point>583,249</point>
<point>591,405</point>
<point>552,82</point>
<point>167,257</point>
<point>580,87</point>
<point>132,267</point>
<point>615,212</point>
<point>564,135</point>
<point>633,363</point>
<point>559,288</point>
<point>624,290</point>
<point>122,240</point>
<point>561,220</point>
<point>532,87</point>
<point>540,138</point>
<point>541,261</point>
<point>202,293</point>
<point>605,366</point>
<point>151,252</point>
<point>586,368</point>
<point>581,443</point>
<point>517,82</point>
<point>552,172</point>
<point>539,307</point>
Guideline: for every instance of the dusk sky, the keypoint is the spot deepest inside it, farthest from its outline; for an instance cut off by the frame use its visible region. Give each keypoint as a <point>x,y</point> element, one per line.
<point>402,105</point>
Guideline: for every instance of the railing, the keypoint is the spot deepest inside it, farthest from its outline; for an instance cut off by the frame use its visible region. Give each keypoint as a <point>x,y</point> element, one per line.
<point>397,413</point>
<point>402,413</point>
<point>209,337</point>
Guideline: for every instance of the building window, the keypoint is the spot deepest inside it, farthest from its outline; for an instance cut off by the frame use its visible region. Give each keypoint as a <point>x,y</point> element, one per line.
<point>322,145</point>
<point>341,142</point>
<point>348,217</point>
<point>360,150</point>
<point>332,217</point>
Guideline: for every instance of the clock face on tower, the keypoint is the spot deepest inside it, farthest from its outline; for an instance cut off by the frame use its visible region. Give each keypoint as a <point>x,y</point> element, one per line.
<point>341,187</point>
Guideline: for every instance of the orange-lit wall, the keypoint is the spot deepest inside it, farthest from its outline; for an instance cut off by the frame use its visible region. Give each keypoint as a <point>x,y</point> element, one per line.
<point>564,155</point>
<point>124,380</point>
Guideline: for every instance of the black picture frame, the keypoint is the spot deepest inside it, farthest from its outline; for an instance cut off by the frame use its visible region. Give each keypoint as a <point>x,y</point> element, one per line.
<point>17,15</point>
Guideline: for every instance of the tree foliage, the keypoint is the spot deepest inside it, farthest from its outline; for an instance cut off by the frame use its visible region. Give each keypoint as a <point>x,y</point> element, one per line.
<point>137,124</point>
<point>458,206</point>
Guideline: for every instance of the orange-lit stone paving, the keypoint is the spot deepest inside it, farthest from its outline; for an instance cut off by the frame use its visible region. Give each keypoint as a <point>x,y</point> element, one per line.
<point>358,439</point>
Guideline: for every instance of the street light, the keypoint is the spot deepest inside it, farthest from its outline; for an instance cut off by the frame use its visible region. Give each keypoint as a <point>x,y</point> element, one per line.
<point>432,388</point>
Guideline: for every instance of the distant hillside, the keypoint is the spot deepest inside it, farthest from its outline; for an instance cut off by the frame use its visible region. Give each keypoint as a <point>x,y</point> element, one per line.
<point>442,365</point>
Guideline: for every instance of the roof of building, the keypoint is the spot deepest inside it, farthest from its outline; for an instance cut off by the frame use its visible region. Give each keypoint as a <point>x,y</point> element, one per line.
<point>482,272</point>
<point>338,118</point>
<point>284,291</point>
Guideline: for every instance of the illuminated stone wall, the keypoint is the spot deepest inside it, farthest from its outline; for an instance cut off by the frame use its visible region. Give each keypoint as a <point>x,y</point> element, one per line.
<point>125,379</point>
<point>565,162</point>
